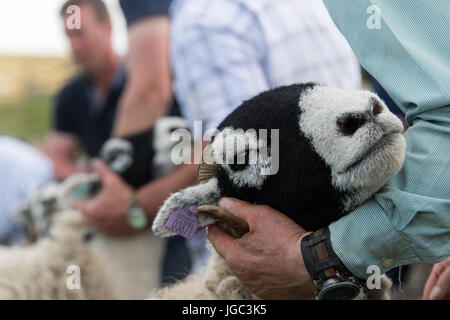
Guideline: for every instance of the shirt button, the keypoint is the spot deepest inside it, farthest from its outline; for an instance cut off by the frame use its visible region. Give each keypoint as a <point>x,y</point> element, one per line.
<point>387,263</point>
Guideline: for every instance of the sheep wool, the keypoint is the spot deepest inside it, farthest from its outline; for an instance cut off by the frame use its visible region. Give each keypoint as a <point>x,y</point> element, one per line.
<point>40,271</point>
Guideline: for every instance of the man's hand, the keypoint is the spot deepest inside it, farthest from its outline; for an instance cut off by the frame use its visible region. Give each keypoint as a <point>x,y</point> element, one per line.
<point>438,283</point>
<point>267,260</point>
<point>107,212</point>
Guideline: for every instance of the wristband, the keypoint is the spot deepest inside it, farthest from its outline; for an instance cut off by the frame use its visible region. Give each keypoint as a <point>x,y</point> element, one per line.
<point>137,217</point>
<point>325,267</point>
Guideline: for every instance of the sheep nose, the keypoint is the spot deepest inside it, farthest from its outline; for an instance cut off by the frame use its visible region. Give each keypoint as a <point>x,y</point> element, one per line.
<point>377,107</point>
<point>349,123</point>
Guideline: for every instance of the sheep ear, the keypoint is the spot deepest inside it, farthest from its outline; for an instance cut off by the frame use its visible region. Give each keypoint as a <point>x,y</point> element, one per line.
<point>202,194</point>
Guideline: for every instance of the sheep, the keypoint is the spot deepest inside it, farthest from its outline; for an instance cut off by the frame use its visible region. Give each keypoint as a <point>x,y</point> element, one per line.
<point>111,268</point>
<point>336,149</point>
<point>39,271</point>
<point>217,282</point>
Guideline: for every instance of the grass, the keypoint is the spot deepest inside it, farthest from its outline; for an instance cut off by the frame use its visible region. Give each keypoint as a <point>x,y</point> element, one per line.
<point>26,118</point>
<point>27,87</point>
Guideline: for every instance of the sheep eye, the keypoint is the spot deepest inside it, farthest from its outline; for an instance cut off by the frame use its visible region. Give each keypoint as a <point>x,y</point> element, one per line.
<point>235,166</point>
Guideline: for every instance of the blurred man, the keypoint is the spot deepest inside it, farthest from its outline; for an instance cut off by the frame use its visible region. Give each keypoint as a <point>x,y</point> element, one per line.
<point>86,107</point>
<point>147,97</point>
<point>22,171</point>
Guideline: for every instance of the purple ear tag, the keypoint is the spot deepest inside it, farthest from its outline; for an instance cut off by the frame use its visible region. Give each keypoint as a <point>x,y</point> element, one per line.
<point>184,222</point>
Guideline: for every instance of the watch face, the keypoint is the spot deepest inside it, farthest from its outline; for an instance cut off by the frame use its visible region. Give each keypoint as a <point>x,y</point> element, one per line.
<point>339,291</point>
<point>137,218</point>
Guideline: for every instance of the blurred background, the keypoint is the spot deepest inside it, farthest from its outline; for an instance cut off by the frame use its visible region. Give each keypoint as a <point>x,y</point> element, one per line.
<point>35,63</point>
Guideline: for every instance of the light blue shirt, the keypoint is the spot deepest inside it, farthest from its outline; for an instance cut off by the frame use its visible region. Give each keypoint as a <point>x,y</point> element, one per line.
<point>23,169</point>
<point>409,219</point>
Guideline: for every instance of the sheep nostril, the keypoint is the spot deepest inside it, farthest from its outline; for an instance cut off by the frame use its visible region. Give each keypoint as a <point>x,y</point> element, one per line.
<point>351,123</point>
<point>377,108</point>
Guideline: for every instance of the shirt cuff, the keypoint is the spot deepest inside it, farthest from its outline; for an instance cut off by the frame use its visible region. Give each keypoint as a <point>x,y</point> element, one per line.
<point>135,10</point>
<point>355,239</point>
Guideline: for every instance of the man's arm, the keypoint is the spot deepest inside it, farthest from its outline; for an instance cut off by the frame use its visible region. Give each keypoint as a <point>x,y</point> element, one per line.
<point>153,195</point>
<point>409,219</point>
<point>62,148</point>
<point>148,93</point>
<point>108,211</point>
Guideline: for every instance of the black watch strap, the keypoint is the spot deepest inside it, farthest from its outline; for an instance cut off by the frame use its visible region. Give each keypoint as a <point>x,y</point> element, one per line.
<point>319,258</point>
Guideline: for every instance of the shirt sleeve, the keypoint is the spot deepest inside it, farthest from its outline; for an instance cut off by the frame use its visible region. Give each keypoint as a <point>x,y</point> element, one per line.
<point>135,10</point>
<point>23,170</point>
<point>216,68</point>
<point>408,220</point>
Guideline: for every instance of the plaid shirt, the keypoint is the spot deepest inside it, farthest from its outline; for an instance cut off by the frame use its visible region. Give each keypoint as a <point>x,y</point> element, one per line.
<point>22,171</point>
<point>227,51</point>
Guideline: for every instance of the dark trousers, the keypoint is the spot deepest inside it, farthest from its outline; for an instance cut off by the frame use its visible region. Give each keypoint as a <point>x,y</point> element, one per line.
<point>177,262</point>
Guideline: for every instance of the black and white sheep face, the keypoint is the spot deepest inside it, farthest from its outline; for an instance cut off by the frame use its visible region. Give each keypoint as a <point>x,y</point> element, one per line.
<point>356,135</point>
<point>47,203</point>
<point>335,149</point>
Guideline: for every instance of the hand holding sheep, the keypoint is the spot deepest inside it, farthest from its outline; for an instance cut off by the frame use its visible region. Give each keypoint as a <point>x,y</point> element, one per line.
<point>274,268</point>
<point>438,284</point>
<point>107,212</point>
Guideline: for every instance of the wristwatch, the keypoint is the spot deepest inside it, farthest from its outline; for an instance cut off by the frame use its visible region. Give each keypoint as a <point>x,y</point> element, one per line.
<point>332,278</point>
<point>137,218</point>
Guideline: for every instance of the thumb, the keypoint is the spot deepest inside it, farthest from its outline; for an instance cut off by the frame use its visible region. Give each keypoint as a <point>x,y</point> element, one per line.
<point>101,168</point>
<point>441,289</point>
<point>237,207</point>
<point>220,240</point>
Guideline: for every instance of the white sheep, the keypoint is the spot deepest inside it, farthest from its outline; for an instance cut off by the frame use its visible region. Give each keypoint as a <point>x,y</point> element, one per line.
<point>111,268</point>
<point>217,282</point>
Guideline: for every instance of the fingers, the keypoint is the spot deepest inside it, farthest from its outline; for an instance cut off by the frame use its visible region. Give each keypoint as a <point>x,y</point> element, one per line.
<point>438,283</point>
<point>87,210</point>
<point>441,289</point>
<point>220,240</point>
<point>101,169</point>
<point>431,282</point>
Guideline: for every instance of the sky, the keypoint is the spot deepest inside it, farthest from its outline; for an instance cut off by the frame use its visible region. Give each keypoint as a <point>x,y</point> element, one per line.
<point>33,27</point>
